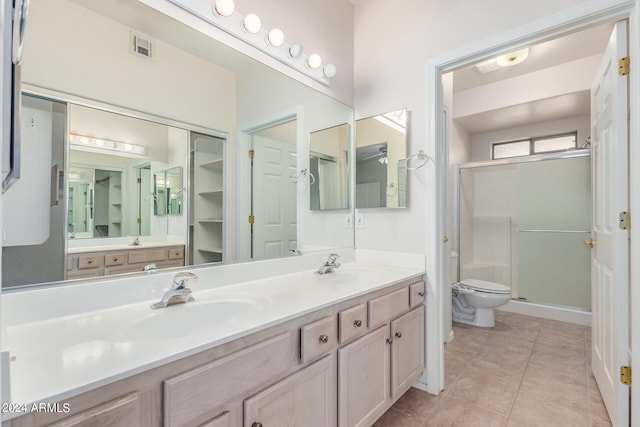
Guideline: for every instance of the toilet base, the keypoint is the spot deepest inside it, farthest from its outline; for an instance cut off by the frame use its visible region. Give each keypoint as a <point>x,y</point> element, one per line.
<point>483,317</point>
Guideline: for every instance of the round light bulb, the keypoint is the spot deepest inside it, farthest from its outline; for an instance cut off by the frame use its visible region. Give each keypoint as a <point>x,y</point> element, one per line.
<point>84,140</point>
<point>276,37</point>
<point>224,7</point>
<point>329,71</point>
<point>98,142</point>
<point>314,60</point>
<point>295,50</point>
<point>252,23</point>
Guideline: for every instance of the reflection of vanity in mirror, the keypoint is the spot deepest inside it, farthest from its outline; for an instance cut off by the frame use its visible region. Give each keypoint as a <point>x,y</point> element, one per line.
<point>381,161</point>
<point>149,154</point>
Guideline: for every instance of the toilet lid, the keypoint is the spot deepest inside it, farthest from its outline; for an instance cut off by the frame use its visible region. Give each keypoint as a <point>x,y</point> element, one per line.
<point>485,286</point>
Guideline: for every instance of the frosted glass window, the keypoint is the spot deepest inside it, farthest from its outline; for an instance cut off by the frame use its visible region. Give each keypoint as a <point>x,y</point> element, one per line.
<point>511,149</point>
<point>557,143</point>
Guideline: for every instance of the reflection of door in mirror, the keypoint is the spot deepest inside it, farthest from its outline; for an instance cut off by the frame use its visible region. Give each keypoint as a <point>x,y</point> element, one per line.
<point>143,196</point>
<point>206,226</point>
<point>159,194</point>
<point>173,179</point>
<point>107,203</point>
<point>329,165</point>
<point>80,202</point>
<point>273,191</point>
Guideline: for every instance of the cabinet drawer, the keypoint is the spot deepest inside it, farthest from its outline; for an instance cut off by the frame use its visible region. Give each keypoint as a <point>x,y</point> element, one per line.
<point>196,394</point>
<point>388,306</point>
<point>317,338</point>
<point>416,294</point>
<point>114,259</point>
<point>124,411</point>
<point>176,253</point>
<point>147,255</point>
<point>352,322</point>
<point>90,261</point>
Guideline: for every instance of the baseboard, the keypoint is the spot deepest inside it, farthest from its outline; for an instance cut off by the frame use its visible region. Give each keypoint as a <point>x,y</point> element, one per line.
<point>563,314</point>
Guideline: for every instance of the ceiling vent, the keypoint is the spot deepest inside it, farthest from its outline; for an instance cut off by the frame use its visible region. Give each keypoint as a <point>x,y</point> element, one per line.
<point>141,46</point>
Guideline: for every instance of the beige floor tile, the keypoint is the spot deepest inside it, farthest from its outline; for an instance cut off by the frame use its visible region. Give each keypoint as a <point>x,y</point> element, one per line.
<point>452,412</point>
<point>393,418</point>
<point>495,393</point>
<point>418,403</point>
<point>509,359</point>
<point>533,411</point>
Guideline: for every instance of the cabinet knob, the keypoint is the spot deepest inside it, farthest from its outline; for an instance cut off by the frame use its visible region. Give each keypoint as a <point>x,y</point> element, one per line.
<point>256,424</point>
<point>115,259</point>
<point>389,340</point>
<point>357,323</point>
<point>421,294</point>
<point>398,334</point>
<point>89,262</point>
<point>324,339</point>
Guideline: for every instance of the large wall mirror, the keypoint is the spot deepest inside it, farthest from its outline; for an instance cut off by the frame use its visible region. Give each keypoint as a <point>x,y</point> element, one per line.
<point>381,161</point>
<point>154,149</point>
<point>329,168</point>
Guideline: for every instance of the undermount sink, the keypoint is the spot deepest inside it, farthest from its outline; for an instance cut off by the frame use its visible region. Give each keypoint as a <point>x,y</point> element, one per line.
<point>193,318</point>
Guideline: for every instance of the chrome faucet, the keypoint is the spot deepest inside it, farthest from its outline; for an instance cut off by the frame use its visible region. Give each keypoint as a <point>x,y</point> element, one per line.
<point>330,265</point>
<point>179,293</point>
<point>136,242</point>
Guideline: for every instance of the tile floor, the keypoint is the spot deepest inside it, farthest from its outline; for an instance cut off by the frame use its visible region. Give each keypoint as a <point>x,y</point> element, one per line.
<point>525,371</point>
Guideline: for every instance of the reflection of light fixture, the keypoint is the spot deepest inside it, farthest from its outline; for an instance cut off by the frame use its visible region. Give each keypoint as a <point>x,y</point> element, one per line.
<point>384,159</point>
<point>513,58</point>
<point>252,23</point>
<point>276,37</point>
<point>106,144</point>
<point>248,29</point>
<point>224,7</point>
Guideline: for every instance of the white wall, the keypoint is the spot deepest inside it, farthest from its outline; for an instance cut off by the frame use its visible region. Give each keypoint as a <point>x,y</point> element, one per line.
<point>389,73</point>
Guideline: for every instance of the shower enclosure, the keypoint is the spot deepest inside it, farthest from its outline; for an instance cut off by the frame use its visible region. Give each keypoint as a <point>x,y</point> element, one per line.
<point>523,223</point>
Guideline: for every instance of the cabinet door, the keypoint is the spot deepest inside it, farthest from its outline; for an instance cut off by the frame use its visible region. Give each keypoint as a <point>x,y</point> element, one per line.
<point>124,411</point>
<point>363,376</point>
<point>306,398</point>
<point>407,351</point>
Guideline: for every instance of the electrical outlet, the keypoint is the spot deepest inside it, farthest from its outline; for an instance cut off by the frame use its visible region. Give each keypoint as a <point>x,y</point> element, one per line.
<point>359,220</point>
<point>348,221</point>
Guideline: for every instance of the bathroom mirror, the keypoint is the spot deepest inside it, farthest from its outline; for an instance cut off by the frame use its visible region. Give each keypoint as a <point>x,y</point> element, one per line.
<point>159,194</point>
<point>329,168</point>
<point>191,83</point>
<point>381,167</point>
<point>80,202</point>
<point>167,192</point>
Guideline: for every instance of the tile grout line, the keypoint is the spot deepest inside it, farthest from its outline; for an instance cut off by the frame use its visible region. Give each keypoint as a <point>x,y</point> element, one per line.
<point>526,367</point>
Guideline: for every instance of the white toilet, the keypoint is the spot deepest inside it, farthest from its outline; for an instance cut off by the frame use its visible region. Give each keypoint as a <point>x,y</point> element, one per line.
<point>474,300</point>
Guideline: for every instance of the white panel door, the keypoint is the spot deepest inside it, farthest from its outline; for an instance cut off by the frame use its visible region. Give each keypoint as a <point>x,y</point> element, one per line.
<point>609,278</point>
<point>274,198</point>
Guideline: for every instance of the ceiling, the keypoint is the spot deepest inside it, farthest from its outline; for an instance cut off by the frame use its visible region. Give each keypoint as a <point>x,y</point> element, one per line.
<point>571,47</point>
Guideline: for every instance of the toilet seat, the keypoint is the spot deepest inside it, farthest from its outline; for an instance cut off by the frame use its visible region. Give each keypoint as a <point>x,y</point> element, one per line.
<point>482,286</point>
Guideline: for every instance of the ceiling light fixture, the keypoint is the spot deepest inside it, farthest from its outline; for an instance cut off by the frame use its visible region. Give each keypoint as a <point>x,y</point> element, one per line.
<point>513,58</point>
<point>106,144</point>
<point>249,30</point>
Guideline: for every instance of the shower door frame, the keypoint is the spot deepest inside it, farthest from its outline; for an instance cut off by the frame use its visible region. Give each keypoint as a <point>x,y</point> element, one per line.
<point>580,152</point>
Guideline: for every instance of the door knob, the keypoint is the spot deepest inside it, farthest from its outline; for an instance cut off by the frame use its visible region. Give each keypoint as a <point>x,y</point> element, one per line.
<point>591,243</point>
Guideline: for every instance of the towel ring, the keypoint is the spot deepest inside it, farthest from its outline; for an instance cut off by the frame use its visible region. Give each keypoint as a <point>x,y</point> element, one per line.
<point>421,160</point>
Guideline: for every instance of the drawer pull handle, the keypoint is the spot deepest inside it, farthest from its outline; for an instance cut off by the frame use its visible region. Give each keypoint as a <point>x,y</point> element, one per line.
<point>398,334</point>
<point>324,339</point>
<point>115,259</point>
<point>256,424</point>
<point>421,293</point>
<point>389,340</point>
<point>89,262</point>
<point>357,323</point>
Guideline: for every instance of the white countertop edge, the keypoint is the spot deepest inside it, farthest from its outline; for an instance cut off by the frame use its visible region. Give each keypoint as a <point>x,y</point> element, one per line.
<point>59,397</point>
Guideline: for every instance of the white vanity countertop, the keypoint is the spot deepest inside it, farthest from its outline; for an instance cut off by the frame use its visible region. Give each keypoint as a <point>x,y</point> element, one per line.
<point>56,358</point>
<point>109,246</point>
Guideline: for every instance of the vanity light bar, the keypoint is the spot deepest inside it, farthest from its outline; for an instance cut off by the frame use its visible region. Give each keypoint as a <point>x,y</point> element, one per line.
<point>270,42</point>
<point>106,144</point>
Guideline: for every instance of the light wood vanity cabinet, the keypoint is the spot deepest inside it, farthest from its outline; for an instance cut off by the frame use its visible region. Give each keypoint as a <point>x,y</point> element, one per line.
<point>96,264</point>
<point>342,365</point>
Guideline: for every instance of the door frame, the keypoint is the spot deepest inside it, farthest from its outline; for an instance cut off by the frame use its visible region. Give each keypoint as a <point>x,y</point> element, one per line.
<point>437,145</point>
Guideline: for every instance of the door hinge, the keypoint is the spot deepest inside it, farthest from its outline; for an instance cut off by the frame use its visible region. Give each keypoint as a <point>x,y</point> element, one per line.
<point>625,220</point>
<point>139,180</point>
<point>623,66</point>
<point>251,219</point>
<point>625,375</point>
<point>251,153</point>
<point>139,221</point>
